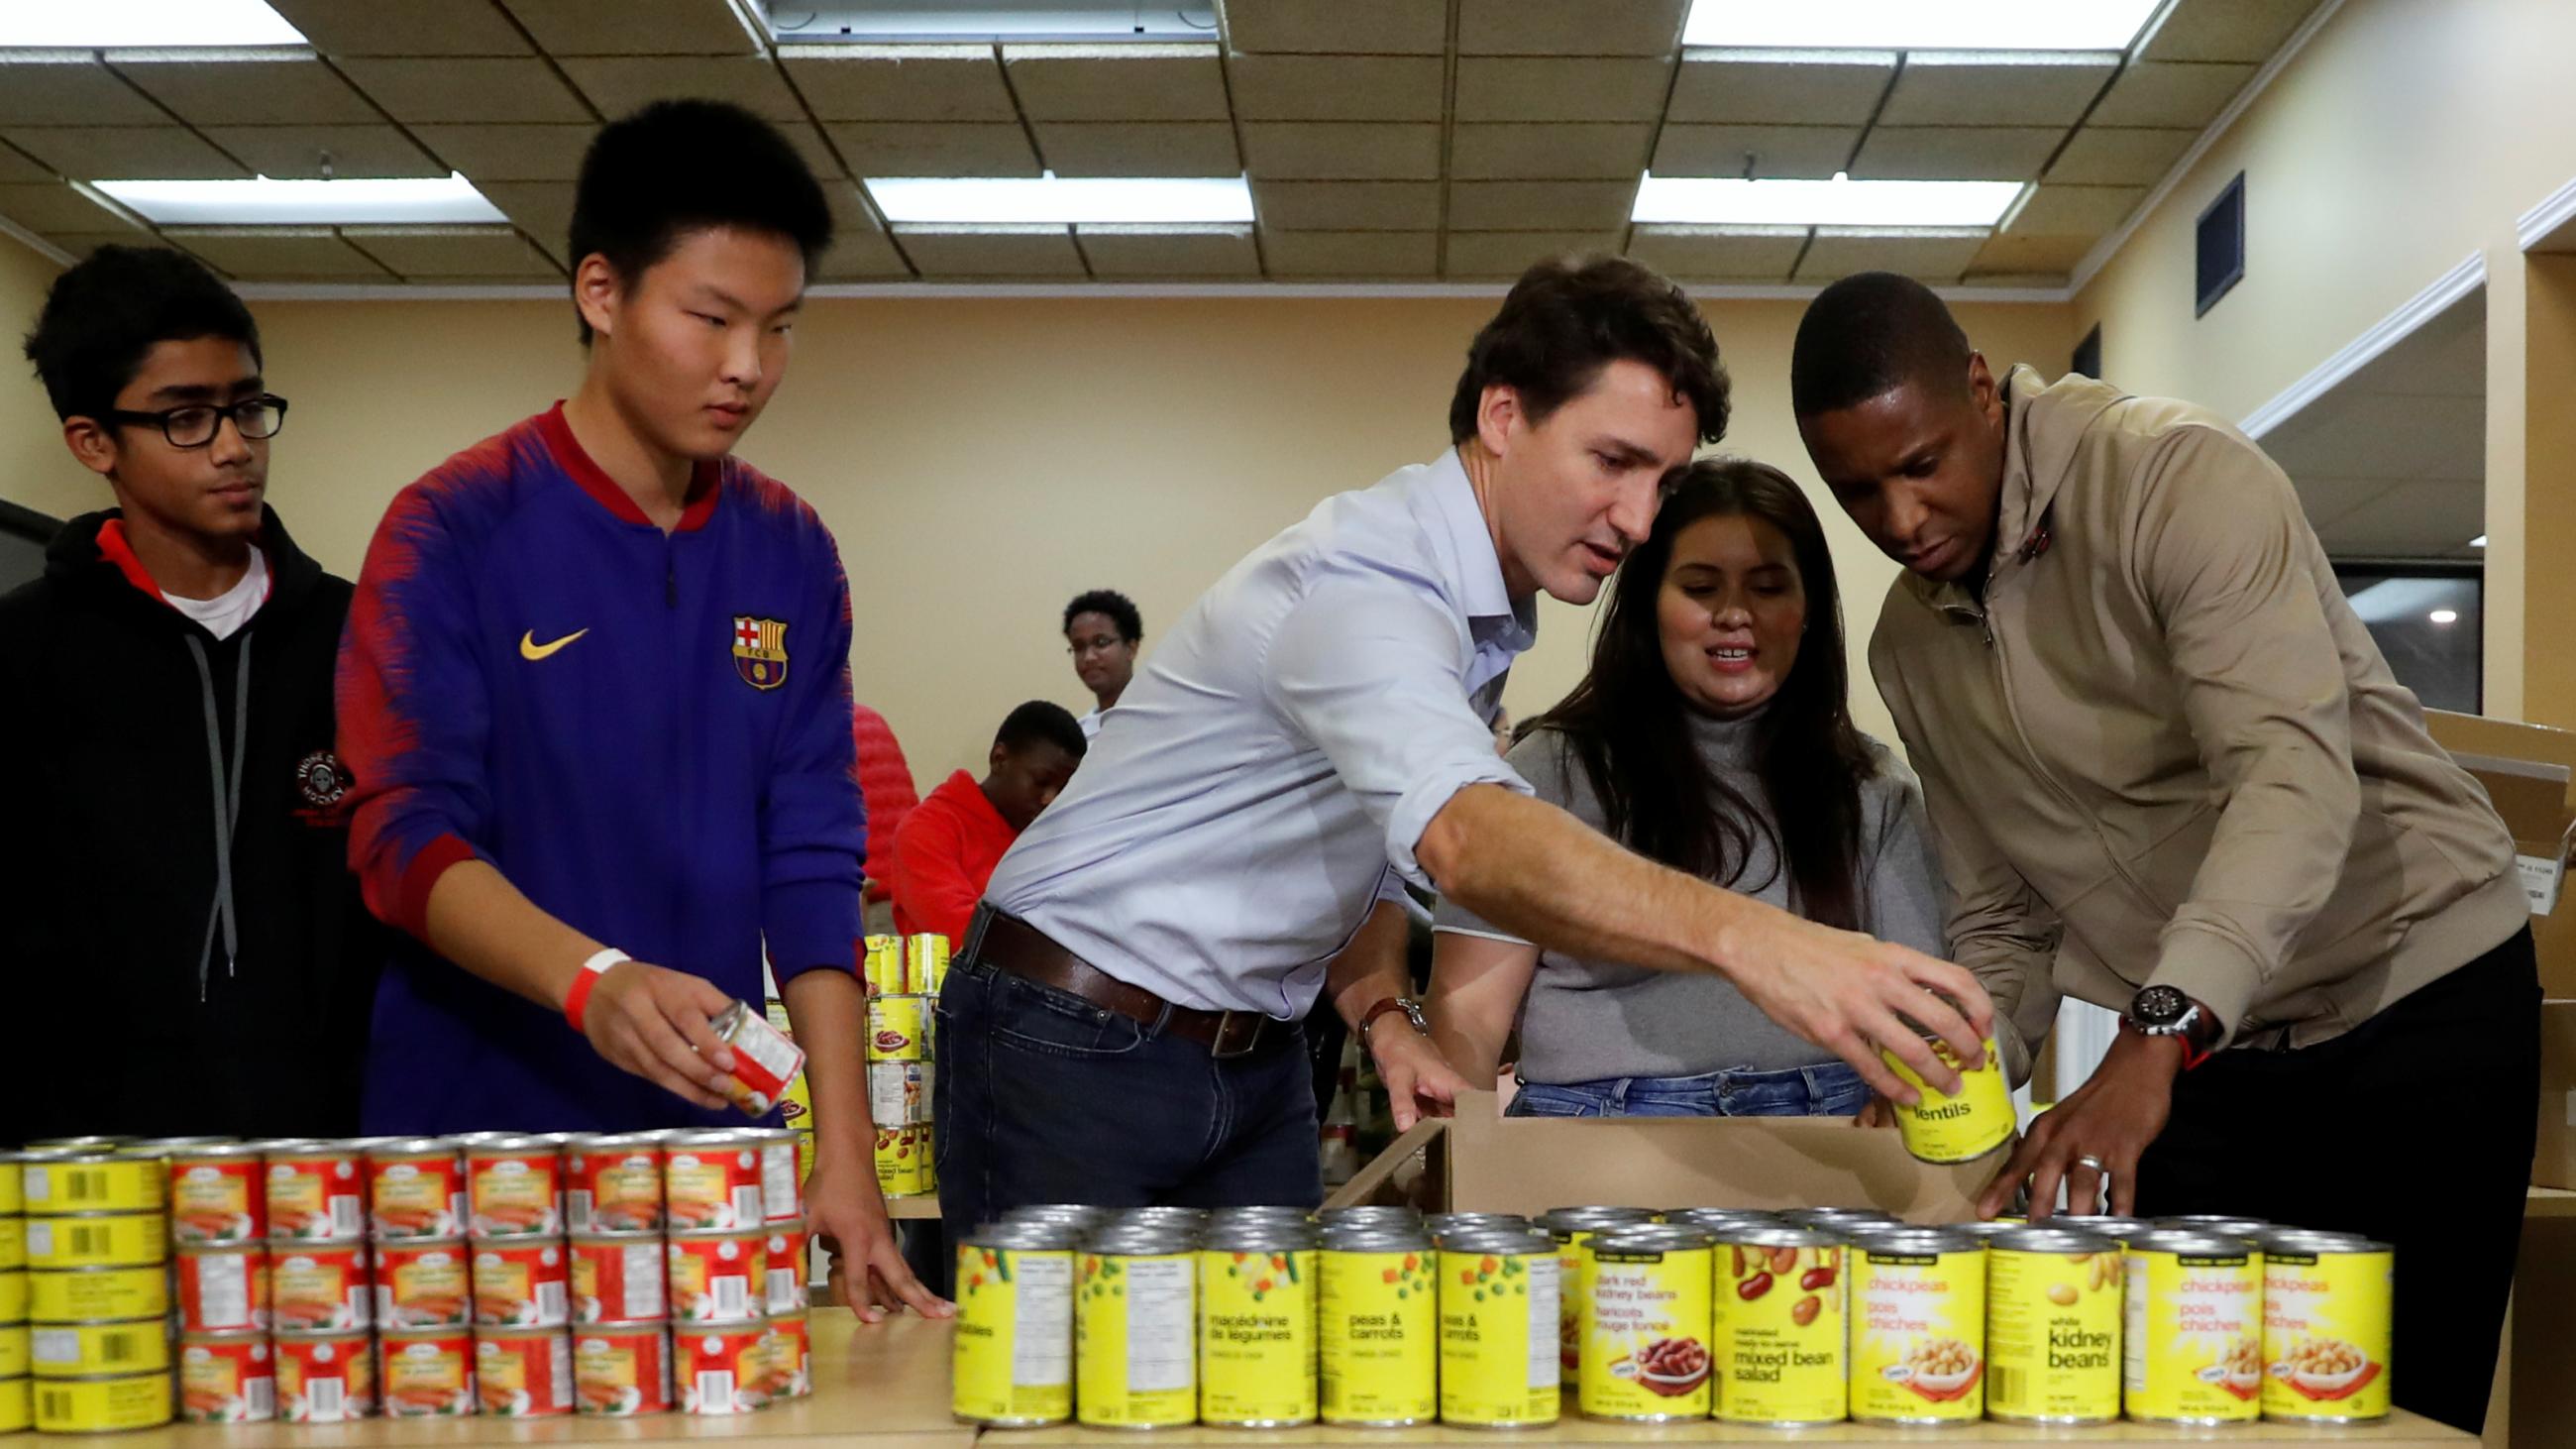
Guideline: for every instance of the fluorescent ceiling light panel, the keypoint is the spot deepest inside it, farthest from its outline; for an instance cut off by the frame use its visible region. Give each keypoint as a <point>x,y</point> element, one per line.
<point>158,24</point>
<point>1919,24</point>
<point>1062,201</point>
<point>264,202</point>
<point>1726,201</point>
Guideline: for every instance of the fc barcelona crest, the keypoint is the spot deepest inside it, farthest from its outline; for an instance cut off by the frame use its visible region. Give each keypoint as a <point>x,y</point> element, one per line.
<point>760,651</point>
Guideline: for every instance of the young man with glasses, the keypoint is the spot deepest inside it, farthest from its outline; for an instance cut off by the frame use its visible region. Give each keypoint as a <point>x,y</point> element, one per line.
<point>1102,631</point>
<point>180,876</point>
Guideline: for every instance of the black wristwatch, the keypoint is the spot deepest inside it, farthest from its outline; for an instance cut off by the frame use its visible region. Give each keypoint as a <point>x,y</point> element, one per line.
<point>2166,1011</point>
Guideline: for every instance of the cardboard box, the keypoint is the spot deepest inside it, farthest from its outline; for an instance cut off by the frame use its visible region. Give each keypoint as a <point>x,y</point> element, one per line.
<point>2526,770</point>
<point>2553,1163</point>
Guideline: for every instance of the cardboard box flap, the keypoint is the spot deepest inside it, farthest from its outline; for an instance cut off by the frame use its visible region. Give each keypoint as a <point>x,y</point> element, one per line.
<point>2531,795</point>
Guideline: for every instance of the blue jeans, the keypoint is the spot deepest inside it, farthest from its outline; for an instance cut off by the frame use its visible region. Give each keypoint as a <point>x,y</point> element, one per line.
<point>1829,1089</point>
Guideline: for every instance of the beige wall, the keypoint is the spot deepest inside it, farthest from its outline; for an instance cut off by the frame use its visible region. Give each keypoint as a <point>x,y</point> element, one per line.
<point>983,460</point>
<point>32,460</point>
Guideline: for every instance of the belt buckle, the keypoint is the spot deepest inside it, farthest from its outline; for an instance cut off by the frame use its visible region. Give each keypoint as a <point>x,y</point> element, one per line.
<point>1218,1045</point>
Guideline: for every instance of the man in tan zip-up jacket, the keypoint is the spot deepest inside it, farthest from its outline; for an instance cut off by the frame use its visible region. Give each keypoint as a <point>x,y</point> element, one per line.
<point>2170,773</point>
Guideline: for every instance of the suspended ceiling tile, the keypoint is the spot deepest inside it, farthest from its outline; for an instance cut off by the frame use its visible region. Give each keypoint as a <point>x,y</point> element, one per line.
<point>1955,153</point>
<point>1780,87</point>
<point>1568,151</point>
<point>1383,255</point>
<point>1380,27</point>
<point>1719,253</point>
<point>468,91</point>
<point>899,82</point>
<point>2053,255</point>
<point>1117,82</point>
<point>1335,87</point>
<point>403,27</point>
<point>1476,254</point>
<point>920,148</point>
<point>635,27</point>
<point>1996,88</point>
<point>266,87</point>
<point>1517,88</point>
<point>444,252</point>
<point>818,153</point>
<point>2188,94</point>
<point>622,84</point>
<point>2237,30</point>
<point>1143,148</point>
<point>279,253</point>
<point>81,244</point>
<point>1598,206</point>
<point>2059,209</point>
<point>2120,156</point>
<point>862,256</point>
<point>1341,151</point>
<point>298,152</point>
<point>510,153</point>
<point>1144,251</point>
<point>69,88</point>
<point>1348,205</point>
<point>124,153</point>
<point>1808,153</point>
<point>962,252</point>
<point>1570,27</point>
<point>18,166</point>
<point>1931,256</point>
<point>542,209</point>
<point>54,208</point>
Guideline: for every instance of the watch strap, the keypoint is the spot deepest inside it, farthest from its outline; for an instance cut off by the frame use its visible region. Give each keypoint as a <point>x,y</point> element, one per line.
<point>1385,1004</point>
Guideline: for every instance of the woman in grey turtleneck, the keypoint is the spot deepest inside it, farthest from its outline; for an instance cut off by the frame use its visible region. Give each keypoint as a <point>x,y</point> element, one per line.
<point>1711,733</point>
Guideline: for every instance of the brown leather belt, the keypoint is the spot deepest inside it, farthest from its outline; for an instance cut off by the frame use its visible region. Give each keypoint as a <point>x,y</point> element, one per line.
<point>1009,944</point>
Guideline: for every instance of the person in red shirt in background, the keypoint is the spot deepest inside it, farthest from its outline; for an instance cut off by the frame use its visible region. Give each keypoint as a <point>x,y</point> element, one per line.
<point>886,792</point>
<point>946,849</point>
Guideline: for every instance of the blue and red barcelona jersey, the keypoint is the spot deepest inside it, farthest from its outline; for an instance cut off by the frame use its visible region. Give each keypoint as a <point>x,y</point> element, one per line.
<point>647,733</point>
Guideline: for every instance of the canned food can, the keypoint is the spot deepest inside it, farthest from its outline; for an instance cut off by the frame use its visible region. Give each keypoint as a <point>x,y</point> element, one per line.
<point>718,1277</point>
<point>13,1244</point>
<point>1135,1330</point>
<point>2053,1325</point>
<point>782,1184</point>
<point>717,1367</point>
<point>1840,1219</point>
<point>621,1370</point>
<point>1079,1217</point>
<point>93,1350</point>
<point>1499,1361</point>
<point>1011,1363</point>
<point>1944,1128</point>
<point>423,1285</point>
<point>17,1406</point>
<point>618,1280</point>
<point>884,969</point>
<point>899,1093</point>
<point>764,1060</point>
<point>523,1373</point>
<point>103,1405</point>
<point>514,1188</point>
<point>13,1187</point>
<point>787,1358</point>
<point>898,1028</point>
<point>416,1190</point>
<point>84,1295</point>
<point>1257,1350</point>
<point>321,1287</point>
<point>161,1148</point>
<point>1918,1327</point>
<point>17,1350</point>
<point>94,1182</point>
<point>316,1193</point>
<point>2326,1327</point>
<point>227,1378</point>
<point>325,1378</point>
<point>925,1142</point>
<point>218,1194</point>
<point>1379,1325</point>
<point>222,1290</point>
<point>2195,1328</point>
<point>427,1373</point>
<point>1573,1227</point>
<point>925,963</point>
<point>522,1284</point>
<point>712,1182</point>
<point>1647,1320</point>
<point>902,1159</point>
<point>785,1267</point>
<point>613,1183</point>
<point>98,1240</point>
<point>13,1296</point>
<point>1440,1225</point>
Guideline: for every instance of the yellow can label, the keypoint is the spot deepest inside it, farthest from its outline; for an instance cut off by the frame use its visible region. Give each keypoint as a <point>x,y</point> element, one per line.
<point>2053,1336</point>
<point>1257,1349</point>
<point>13,1296</point>
<point>126,1185</point>
<point>89,1349</point>
<point>95,1406</point>
<point>1135,1338</point>
<point>2326,1332</point>
<point>1918,1336</point>
<point>17,1404</point>
<point>79,1296</point>
<point>2195,1336</point>
<point>925,963</point>
<point>13,1196</point>
<point>1499,1360</point>
<point>1646,1324</point>
<point>898,1028</point>
<point>17,1351</point>
<point>903,1161</point>
<point>1013,1355</point>
<point>1944,1128</point>
<point>106,1240</point>
<point>885,966</point>
<point>1570,1253</point>
<point>13,1244</point>
<point>1777,1335</point>
<point>1379,1331</point>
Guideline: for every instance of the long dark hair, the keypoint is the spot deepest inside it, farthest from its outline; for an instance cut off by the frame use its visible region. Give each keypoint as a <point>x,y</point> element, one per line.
<point>1629,727</point>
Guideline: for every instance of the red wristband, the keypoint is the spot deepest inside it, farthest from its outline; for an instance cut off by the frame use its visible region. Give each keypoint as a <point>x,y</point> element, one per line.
<point>577,1000</point>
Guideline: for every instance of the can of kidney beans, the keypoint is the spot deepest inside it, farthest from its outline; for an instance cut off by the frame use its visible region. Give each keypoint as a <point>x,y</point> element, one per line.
<point>618,1278</point>
<point>522,1284</point>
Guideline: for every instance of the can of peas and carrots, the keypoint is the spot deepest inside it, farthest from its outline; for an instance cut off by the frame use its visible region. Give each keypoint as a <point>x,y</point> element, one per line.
<point>1499,1364</point>
<point>1918,1327</point>
<point>1948,1128</point>
<point>2053,1323</point>
<point>1378,1312</point>
<point>1012,1363</point>
<point>1572,1227</point>
<point>1647,1320</point>
<point>1257,1348</point>
<point>1135,1328</point>
<point>227,1378</point>
<point>883,972</point>
<point>317,1192</point>
<point>925,963</point>
<point>2326,1327</point>
<point>17,1350</point>
<point>218,1194</point>
<point>2194,1335</point>
<point>1776,1336</point>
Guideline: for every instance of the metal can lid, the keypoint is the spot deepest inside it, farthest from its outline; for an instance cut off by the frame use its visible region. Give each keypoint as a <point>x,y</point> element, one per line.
<point>2110,1224</point>
<point>511,1142</point>
<point>2051,1240</point>
<point>622,1328</point>
<point>2191,1243</point>
<point>1721,1215</point>
<point>1372,1212</point>
<point>730,1020</point>
<point>714,1137</point>
<point>1377,1238</point>
<point>1022,1237</point>
<point>323,1335</point>
<point>1142,1242</point>
<point>1839,1216</point>
<point>1438,1221</point>
<point>216,1152</point>
<point>232,1335</point>
<point>629,1238</point>
<point>1163,1210</point>
<point>311,1150</point>
<point>1514,1242</point>
<point>390,1148</point>
<point>1779,1235</point>
<point>486,1334</point>
<point>458,1331</point>
<point>77,1144</point>
<point>2313,1242</point>
<point>1255,1235</point>
<point>772,1136</point>
<point>614,1141</point>
<point>1057,1209</point>
<point>1564,1220</point>
<point>757,1230</point>
<point>168,1146</point>
<point>1653,1238</point>
<point>416,1245</point>
<point>1912,1240</point>
<point>2235,1227</point>
<point>784,1225</point>
<point>80,1157</point>
<point>221,1250</point>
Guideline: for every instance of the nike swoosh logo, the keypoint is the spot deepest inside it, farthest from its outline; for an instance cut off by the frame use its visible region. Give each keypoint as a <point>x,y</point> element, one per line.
<point>529,648</point>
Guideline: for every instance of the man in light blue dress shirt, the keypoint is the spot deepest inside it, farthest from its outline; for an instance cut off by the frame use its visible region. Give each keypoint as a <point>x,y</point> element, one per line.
<point>1121,1025</point>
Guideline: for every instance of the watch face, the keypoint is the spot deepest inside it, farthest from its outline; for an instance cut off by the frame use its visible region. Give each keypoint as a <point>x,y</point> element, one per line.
<point>2159,1006</point>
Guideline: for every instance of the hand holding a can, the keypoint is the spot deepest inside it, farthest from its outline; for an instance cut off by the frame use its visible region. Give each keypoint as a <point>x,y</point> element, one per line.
<point>2096,1135</point>
<point>1854,995</point>
<point>655,1022</point>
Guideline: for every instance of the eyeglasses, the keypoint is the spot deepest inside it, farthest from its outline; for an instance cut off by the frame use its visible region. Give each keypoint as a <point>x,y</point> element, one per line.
<point>1080,647</point>
<point>195,425</point>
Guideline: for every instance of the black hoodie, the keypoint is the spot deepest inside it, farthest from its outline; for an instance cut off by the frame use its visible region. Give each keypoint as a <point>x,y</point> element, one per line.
<point>168,980</point>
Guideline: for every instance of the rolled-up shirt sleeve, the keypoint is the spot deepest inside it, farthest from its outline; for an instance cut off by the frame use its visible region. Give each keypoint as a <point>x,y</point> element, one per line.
<point>1372,667</point>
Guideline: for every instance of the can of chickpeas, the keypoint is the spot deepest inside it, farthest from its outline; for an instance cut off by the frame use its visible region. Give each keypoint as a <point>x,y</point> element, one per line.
<point>2194,1337</point>
<point>1378,1325</point>
<point>1012,1364</point>
<point>1777,1327</point>
<point>1646,1324</point>
<point>1257,1350</point>
<point>1135,1336</point>
<point>1499,1362</point>
<point>2052,1327</point>
<point>1918,1327</point>
<point>1950,1128</point>
<point>2326,1327</point>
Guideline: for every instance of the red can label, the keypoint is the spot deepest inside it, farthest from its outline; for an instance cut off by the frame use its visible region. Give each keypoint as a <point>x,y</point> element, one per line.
<point>622,1371</point>
<point>514,1194</point>
<point>714,1188</point>
<point>720,1368</point>
<point>321,1287</point>
<point>785,1264</point>
<point>618,1280</point>
<point>613,1190</point>
<point>522,1285</point>
<point>222,1290</point>
<point>422,1285</point>
<point>317,1198</point>
<point>327,1380</point>
<point>228,1380</point>
<point>218,1200</point>
<point>719,1278</point>
<point>524,1375</point>
<point>786,1360</point>
<point>416,1197</point>
<point>428,1375</point>
<point>782,1183</point>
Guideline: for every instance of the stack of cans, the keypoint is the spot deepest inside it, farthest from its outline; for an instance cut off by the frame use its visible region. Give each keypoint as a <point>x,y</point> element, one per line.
<point>903,977</point>
<point>521,1274</point>
<point>97,1248</point>
<point>322,1295</point>
<point>416,1216</point>
<point>222,1274</point>
<point>17,1402</point>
